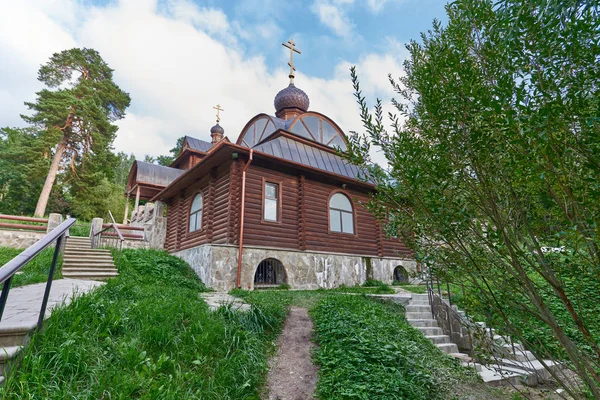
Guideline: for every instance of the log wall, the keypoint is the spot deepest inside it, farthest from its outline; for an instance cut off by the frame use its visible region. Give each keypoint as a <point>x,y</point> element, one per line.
<point>303,217</point>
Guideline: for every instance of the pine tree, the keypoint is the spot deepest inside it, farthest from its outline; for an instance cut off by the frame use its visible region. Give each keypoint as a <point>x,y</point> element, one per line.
<point>76,112</point>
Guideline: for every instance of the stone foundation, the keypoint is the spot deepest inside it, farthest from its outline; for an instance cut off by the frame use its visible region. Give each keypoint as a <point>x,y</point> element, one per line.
<point>216,265</point>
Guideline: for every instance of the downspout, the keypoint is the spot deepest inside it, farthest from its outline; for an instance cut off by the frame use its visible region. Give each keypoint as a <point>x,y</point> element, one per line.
<point>243,207</point>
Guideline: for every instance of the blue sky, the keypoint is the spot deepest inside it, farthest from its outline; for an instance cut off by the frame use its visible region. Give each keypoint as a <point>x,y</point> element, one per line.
<point>178,58</point>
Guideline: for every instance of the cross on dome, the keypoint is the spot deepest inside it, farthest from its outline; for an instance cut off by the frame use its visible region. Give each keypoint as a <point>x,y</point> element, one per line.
<point>218,108</point>
<point>292,46</point>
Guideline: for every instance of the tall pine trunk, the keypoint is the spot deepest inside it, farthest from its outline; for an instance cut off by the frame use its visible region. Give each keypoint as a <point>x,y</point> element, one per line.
<point>40,208</point>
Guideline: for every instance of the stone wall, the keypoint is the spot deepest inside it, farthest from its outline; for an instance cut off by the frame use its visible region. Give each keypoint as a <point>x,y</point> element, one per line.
<point>216,265</point>
<point>19,239</point>
<point>22,239</point>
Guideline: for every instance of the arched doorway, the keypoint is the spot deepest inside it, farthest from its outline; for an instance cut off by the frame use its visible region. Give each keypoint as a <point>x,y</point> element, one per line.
<point>400,274</point>
<point>270,272</point>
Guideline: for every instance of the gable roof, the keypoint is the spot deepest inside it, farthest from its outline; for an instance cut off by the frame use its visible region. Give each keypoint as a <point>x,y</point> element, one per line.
<point>197,144</point>
<point>287,148</point>
<point>155,174</point>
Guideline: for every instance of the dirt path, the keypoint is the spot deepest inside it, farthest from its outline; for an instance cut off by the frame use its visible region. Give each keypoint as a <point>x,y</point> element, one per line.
<point>292,375</point>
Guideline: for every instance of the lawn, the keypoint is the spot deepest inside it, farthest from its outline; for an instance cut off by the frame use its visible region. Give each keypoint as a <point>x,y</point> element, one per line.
<point>35,271</point>
<point>146,334</point>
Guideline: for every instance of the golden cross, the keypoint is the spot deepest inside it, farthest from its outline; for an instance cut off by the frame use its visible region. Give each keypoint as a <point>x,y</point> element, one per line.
<point>292,46</point>
<point>218,108</point>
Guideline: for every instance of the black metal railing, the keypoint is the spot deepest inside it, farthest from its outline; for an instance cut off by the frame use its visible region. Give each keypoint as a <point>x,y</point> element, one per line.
<point>8,271</point>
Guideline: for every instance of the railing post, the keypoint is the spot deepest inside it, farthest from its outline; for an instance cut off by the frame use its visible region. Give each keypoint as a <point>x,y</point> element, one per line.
<point>4,295</point>
<point>57,248</point>
<point>448,288</point>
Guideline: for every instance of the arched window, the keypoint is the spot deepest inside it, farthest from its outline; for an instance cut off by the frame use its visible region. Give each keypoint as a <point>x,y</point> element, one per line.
<point>269,272</point>
<point>341,217</point>
<point>196,213</point>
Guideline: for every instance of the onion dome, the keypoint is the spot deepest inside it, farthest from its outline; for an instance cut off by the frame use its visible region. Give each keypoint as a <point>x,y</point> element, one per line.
<point>291,97</point>
<point>217,129</point>
<point>216,133</point>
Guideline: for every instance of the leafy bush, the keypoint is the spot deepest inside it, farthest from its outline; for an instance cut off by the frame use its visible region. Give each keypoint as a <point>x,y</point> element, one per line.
<point>368,351</point>
<point>148,334</point>
<point>373,282</point>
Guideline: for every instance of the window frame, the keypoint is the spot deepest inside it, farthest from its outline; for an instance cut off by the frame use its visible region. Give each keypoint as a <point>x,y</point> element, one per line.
<point>354,227</point>
<point>279,198</point>
<point>201,212</point>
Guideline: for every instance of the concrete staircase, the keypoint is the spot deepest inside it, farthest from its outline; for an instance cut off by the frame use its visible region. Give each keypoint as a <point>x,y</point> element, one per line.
<point>12,339</point>
<point>418,314</point>
<point>511,364</point>
<point>80,261</point>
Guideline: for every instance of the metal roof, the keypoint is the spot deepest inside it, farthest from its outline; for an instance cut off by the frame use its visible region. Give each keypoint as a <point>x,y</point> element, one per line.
<point>156,174</point>
<point>301,153</point>
<point>197,144</point>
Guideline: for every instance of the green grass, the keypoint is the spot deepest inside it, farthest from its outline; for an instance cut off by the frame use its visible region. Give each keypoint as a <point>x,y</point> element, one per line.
<point>367,350</point>
<point>80,228</point>
<point>418,289</point>
<point>146,334</point>
<point>35,271</point>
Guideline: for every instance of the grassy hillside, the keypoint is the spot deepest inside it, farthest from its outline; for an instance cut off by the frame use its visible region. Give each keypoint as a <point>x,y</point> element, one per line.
<point>36,271</point>
<point>148,335</point>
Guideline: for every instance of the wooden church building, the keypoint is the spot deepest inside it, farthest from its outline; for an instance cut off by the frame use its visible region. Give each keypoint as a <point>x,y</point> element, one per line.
<point>278,206</point>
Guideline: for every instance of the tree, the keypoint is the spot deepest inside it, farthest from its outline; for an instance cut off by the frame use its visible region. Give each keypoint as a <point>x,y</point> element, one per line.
<point>494,166</point>
<point>22,169</point>
<point>78,115</point>
<point>168,159</point>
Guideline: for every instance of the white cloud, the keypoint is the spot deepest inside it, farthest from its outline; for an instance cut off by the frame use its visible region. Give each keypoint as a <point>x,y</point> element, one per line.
<point>334,17</point>
<point>173,65</point>
<point>376,5</point>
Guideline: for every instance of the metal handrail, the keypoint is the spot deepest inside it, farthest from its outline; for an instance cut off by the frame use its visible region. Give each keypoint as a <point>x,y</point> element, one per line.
<point>97,237</point>
<point>9,269</point>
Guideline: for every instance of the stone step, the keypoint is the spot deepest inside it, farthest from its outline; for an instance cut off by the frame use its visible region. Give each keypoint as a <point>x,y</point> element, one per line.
<point>87,256</point>
<point>418,308</point>
<point>6,354</point>
<point>84,263</point>
<point>85,252</point>
<point>428,322</point>
<point>438,339</point>
<point>94,276</point>
<point>418,315</point>
<point>15,335</point>
<point>419,302</point>
<point>447,347</point>
<point>416,296</point>
<point>90,269</point>
<point>425,330</point>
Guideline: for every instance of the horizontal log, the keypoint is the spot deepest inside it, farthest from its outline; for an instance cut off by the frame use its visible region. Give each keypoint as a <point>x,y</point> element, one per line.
<point>23,226</point>
<point>22,218</point>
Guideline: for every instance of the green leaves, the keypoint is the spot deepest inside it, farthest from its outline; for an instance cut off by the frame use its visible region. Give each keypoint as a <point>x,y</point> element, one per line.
<point>497,158</point>
<point>368,351</point>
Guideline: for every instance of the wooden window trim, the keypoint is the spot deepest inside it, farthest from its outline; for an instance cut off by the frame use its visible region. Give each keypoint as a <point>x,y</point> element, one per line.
<point>202,229</point>
<point>354,217</point>
<point>279,184</point>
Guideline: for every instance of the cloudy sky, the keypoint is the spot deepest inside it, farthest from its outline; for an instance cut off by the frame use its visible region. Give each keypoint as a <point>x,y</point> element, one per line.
<point>178,58</point>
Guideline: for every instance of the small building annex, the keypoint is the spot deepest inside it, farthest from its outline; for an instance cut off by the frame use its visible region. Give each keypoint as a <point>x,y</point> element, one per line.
<point>278,206</point>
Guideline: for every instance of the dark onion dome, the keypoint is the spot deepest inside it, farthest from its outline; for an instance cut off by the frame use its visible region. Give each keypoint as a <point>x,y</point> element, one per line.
<point>217,129</point>
<point>291,97</point>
